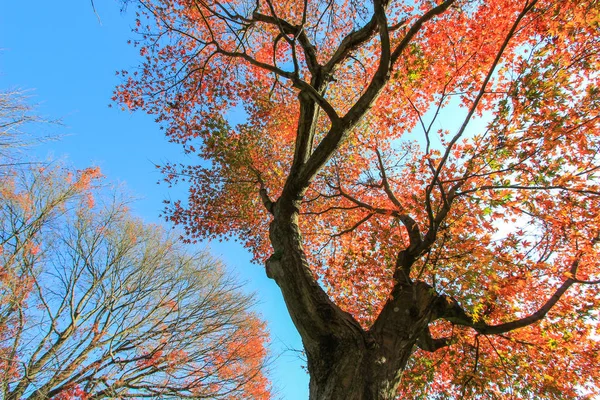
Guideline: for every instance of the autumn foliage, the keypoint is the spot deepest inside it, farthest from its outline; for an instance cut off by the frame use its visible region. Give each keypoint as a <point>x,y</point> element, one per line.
<point>94,303</point>
<point>444,148</point>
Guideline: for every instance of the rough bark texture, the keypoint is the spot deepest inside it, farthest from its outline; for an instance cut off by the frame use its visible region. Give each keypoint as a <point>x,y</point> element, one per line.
<point>344,360</point>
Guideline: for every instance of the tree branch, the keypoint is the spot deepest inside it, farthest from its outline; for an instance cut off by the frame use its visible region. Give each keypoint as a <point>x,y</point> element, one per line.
<point>454,313</point>
<point>298,31</point>
<point>341,127</point>
<point>262,191</point>
<point>427,343</point>
<point>414,233</point>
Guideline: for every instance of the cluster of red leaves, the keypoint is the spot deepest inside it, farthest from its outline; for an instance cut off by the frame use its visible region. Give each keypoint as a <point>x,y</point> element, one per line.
<point>243,357</point>
<point>73,393</point>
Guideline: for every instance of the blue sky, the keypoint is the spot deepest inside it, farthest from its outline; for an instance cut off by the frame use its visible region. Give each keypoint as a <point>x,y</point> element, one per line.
<point>66,57</point>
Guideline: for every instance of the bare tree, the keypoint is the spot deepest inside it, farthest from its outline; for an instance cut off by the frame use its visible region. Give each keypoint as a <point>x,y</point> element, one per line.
<point>94,303</point>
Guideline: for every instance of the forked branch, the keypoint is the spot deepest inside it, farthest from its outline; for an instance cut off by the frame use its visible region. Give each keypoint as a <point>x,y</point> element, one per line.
<point>454,313</point>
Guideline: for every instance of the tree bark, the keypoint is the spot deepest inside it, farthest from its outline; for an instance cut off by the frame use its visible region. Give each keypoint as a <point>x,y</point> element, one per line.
<point>359,370</point>
<point>345,361</point>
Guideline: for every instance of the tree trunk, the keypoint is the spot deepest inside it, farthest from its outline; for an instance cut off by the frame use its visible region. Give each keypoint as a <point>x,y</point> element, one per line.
<point>345,361</point>
<point>352,371</point>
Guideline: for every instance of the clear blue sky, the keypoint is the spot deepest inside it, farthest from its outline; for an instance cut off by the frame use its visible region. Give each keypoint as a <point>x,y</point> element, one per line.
<point>67,58</point>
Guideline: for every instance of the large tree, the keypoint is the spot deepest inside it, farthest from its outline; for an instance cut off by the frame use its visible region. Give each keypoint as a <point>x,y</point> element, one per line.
<point>96,304</point>
<point>420,179</point>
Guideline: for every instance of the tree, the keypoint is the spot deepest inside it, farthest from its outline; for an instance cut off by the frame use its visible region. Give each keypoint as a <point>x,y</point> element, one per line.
<point>96,304</point>
<point>15,113</point>
<point>419,177</point>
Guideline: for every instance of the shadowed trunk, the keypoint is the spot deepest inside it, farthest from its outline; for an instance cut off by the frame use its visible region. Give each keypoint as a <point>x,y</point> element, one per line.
<point>355,370</point>
<point>345,361</point>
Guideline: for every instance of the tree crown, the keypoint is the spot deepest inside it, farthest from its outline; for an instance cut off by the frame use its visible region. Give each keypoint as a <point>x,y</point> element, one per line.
<point>452,143</point>
<point>95,303</point>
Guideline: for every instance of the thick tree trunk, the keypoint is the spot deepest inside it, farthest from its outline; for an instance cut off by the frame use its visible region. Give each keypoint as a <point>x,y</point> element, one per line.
<point>369,366</point>
<point>345,361</point>
<point>352,371</point>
